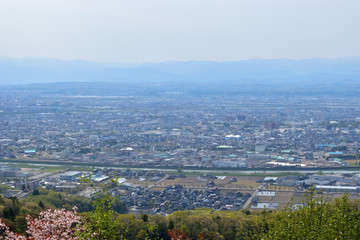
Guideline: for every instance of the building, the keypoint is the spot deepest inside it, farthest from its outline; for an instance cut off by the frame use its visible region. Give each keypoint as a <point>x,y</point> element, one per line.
<point>325,188</point>
<point>72,176</point>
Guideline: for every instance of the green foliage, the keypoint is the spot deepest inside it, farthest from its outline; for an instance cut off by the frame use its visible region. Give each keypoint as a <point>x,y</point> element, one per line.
<point>20,224</point>
<point>129,225</point>
<point>11,209</point>
<point>52,199</point>
<point>101,223</point>
<point>213,224</point>
<point>315,219</point>
<point>3,187</point>
<point>36,192</point>
<point>15,211</point>
<point>41,204</point>
<point>145,218</point>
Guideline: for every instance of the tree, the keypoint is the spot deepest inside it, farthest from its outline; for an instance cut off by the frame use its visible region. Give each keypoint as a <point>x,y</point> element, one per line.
<point>177,234</point>
<point>49,225</point>
<point>36,192</point>
<point>41,204</point>
<point>314,219</point>
<point>101,223</point>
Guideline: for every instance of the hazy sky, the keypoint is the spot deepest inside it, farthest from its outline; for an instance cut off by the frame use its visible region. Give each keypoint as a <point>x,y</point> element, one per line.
<point>162,30</point>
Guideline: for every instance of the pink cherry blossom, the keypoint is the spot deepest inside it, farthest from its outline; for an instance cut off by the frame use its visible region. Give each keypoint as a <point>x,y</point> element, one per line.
<point>58,224</point>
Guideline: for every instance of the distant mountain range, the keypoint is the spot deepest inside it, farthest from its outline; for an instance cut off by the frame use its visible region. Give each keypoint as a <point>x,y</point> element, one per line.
<point>310,75</point>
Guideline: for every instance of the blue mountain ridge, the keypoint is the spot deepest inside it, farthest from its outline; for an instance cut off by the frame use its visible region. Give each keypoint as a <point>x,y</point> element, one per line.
<point>317,74</point>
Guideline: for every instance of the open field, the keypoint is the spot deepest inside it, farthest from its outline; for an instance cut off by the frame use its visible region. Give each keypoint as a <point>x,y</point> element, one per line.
<point>48,167</point>
<point>240,184</point>
<point>280,188</point>
<point>197,181</point>
<point>188,181</point>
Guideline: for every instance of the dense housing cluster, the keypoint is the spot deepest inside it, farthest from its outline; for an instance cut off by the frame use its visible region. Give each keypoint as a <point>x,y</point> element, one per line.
<point>181,131</point>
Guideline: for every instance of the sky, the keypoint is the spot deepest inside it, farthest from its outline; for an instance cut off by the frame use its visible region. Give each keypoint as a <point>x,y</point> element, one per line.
<point>137,31</point>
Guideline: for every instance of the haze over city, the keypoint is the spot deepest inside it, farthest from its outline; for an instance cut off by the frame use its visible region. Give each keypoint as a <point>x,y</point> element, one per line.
<point>179,119</point>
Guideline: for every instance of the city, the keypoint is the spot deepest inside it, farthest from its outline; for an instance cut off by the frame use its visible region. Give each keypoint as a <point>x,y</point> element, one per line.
<point>197,151</point>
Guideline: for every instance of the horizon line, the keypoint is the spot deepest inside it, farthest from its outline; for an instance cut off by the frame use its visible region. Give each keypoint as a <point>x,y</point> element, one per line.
<point>176,61</point>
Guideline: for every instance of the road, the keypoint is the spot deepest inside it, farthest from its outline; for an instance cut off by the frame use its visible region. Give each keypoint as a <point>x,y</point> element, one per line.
<point>249,201</point>
<point>164,178</point>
